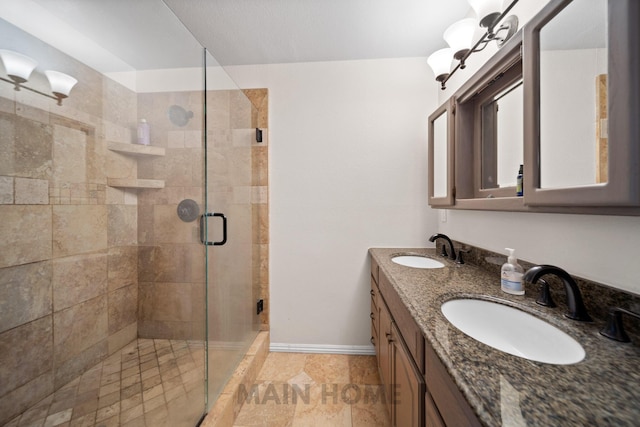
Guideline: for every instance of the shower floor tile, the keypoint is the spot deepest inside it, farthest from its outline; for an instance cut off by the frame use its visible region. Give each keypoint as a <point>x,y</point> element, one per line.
<point>149,383</point>
<point>295,389</point>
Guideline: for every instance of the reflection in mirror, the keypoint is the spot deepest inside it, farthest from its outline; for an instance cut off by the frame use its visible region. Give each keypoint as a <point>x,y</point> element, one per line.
<point>502,137</point>
<point>573,121</point>
<point>440,156</point>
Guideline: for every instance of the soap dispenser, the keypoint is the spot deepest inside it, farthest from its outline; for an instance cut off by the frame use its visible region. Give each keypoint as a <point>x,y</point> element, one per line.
<point>511,275</point>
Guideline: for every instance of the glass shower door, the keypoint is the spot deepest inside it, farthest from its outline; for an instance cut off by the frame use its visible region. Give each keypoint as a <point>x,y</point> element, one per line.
<point>232,322</point>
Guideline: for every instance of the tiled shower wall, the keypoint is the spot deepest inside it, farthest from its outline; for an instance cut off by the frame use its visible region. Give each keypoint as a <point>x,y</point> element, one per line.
<point>68,263</point>
<point>170,257</point>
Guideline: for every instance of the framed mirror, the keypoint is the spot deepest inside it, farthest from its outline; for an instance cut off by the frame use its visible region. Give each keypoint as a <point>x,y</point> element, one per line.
<point>441,155</point>
<point>490,132</point>
<point>582,91</point>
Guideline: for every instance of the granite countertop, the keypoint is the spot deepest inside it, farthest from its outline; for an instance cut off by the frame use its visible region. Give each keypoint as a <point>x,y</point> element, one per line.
<point>505,390</point>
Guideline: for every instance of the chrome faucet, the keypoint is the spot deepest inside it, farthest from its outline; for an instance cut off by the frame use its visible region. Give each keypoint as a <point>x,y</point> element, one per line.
<point>444,250</point>
<point>576,308</point>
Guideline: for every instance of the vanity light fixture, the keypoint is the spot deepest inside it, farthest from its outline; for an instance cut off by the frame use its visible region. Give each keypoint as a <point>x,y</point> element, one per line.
<point>440,63</point>
<point>459,36</point>
<point>19,68</point>
<point>61,84</point>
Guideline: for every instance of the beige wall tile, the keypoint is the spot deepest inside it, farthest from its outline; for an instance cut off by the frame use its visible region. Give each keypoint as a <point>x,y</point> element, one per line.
<point>165,263</point>
<point>31,191</point>
<point>193,139</point>
<point>25,234</point>
<point>25,147</point>
<point>122,267</point>
<point>79,363</point>
<point>175,168</point>
<point>165,301</point>
<point>96,158</point>
<point>175,139</point>
<point>6,190</point>
<point>240,110</point>
<point>123,307</point>
<point>165,329</point>
<point>120,166</point>
<point>259,162</point>
<point>122,337</point>
<point>169,228</point>
<point>123,225</point>
<point>26,353</point>
<point>218,114</point>
<point>145,224</point>
<point>79,327</point>
<point>78,278</point>
<point>69,155</point>
<point>23,397</point>
<point>32,106</point>
<point>79,229</point>
<point>25,294</point>
<point>243,137</point>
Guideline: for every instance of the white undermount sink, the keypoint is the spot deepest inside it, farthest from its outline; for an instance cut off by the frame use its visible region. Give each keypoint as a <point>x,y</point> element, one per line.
<point>513,331</point>
<point>417,261</point>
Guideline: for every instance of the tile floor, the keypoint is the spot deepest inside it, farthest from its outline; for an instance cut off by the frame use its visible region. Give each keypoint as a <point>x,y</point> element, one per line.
<point>149,383</point>
<point>305,390</point>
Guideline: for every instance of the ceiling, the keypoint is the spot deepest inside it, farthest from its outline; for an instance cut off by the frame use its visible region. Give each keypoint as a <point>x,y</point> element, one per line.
<point>241,32</point>
<point>145,34</point>
<point>113,35</point>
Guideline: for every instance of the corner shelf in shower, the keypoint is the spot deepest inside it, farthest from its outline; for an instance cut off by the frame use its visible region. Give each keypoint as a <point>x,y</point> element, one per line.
<point>139,151</point>
<point>136,150</point>
<point>135,183</point>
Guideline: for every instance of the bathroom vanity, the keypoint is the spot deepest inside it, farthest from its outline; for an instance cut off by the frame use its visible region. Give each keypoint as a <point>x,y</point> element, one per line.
<point>435,375</point>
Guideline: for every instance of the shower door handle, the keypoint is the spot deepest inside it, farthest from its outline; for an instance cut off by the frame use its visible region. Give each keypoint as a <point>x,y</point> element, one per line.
<point>203,237</point>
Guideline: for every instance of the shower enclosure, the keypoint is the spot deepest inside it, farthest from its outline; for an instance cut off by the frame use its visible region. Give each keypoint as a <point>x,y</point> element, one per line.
<point>127,272</point>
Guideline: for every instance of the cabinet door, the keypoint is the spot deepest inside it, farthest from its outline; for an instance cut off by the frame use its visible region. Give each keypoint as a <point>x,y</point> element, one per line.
<point>375,315</point>
<point>384,352</point>
<point>408,389</point>
<point>431,414</point>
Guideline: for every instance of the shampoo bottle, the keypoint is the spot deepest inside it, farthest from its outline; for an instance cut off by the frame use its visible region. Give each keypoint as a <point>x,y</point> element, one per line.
<point>511,275</point>
<point>143,132</point>
<point>519,191</point>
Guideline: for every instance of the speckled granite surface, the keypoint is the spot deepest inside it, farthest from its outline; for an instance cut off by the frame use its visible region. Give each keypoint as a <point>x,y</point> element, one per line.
<point>505,390</point>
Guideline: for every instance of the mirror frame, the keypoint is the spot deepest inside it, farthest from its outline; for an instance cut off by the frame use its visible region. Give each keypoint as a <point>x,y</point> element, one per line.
<point>623,186</point>
<point>500,71</point>
<point>448,109</point>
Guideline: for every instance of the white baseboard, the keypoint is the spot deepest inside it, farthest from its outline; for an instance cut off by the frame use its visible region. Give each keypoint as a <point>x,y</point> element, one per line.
<point>360,350</point>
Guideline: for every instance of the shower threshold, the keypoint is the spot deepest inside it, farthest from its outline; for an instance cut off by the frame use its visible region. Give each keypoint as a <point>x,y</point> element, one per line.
<point>148,383</point>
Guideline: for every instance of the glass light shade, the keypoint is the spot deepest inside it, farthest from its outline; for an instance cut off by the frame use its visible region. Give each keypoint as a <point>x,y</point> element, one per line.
<point>486,10</point>
<point>459,36</point>
<point>440,62</point>
<point>61,84</point>
<point>17,65</point>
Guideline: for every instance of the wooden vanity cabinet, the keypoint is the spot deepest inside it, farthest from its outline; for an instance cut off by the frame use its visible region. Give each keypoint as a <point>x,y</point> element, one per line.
<point>402,378</point>
<point>418,389</point>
